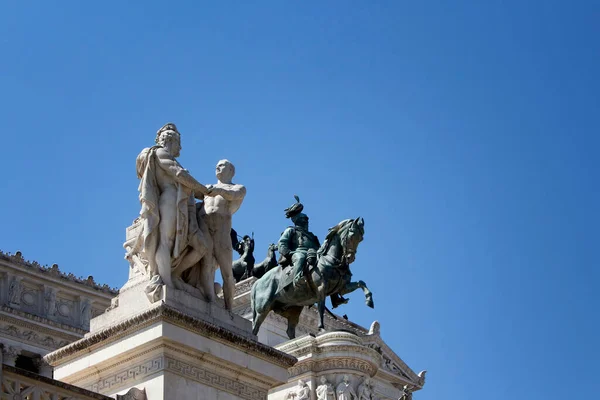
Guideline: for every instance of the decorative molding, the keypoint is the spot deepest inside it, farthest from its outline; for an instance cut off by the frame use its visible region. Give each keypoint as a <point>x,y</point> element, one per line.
<point>212,379</point>
<point>164,362</point>
<point>168,314</point>
<point>130,373</point>
<point>55,272</point>
<point>133,394</point>
<point>57,386</point>
<point>244,286</point>
<point>32,337</point>
<point>30,321</point>
<point>392,363</point>
<point>332,363</point>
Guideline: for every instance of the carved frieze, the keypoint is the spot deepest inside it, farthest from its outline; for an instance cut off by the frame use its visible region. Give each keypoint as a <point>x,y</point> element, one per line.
<point>207,376</point>
<point>333,363</point>
<point>33,338</point>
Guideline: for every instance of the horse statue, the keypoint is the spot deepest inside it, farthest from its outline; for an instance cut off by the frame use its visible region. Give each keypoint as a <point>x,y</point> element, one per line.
<point>267,264</point>
<point>330,276</point>
<point>243,266</point>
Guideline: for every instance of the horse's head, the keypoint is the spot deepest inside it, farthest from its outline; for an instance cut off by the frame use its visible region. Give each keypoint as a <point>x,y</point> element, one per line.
<point>350,233</point>
<point>351,236</point>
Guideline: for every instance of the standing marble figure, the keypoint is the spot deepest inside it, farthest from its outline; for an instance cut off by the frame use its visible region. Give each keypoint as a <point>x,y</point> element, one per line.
<point>365,390</point>
<point>224,200</point>
<point>345,390</point>
<point>325,390</point>
<point>170,240</point>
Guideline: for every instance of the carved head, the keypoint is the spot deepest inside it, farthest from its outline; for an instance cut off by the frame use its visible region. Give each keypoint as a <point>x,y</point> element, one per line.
<point>323,380</point>
<point>225,171</point>
<point>168,136</point>
<point>346,378</point>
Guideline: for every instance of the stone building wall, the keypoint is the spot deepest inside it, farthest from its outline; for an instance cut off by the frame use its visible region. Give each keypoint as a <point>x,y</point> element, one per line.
<point>43,309</point>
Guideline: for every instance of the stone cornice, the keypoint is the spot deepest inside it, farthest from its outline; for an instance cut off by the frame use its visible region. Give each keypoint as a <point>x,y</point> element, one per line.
<point>58,384</point>
<point>171,315</point>
<point>37,323</point>
<point>405,370</point>
<point>54,272</point>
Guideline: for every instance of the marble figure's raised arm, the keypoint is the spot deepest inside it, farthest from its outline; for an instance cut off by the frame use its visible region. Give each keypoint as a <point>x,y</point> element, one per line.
<point>179,174</point>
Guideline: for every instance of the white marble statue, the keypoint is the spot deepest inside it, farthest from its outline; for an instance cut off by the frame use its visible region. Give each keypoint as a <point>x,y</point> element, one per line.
<point>325,390</point>
<point>224,199</point>
<point>301,392</point>
<point>344,389</point>
<point>365,390</point>
<point>181,243</point>
<point>170,240</point>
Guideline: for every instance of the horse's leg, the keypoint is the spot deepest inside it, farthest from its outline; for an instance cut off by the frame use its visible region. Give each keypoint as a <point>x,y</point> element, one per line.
<point>293,316</point>
<point>259,318</point>
<point>259,312</point>
<point>321,306</point>
<point>352,286</point>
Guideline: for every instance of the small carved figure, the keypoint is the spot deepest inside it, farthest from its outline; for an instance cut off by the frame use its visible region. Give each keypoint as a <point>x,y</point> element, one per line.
<point>406,393</point>
<point>50,301</point>
<point>325,390</point>
<point>302,392</point>
<point>344,389</point>
<point>365,390</point>
<point>14,290</point>
<point>85,309</point>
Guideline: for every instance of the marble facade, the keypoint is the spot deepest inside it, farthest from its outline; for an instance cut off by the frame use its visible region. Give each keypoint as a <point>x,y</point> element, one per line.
<point>173,349</point>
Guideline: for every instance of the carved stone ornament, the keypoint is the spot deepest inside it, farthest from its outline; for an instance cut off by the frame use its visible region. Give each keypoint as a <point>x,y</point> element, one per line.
<point>344,389</point>
<point>133,394</point>
<point>32,337</point>
<point>49,301</point>
<point>365,390</point>
<point>300,392</point>
<point>10,354</point>
<point>14,291</point>
<point>325,391</point>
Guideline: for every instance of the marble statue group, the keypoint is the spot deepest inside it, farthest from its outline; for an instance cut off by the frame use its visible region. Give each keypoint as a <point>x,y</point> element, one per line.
<point>183,242</point>
<point>184,234</point>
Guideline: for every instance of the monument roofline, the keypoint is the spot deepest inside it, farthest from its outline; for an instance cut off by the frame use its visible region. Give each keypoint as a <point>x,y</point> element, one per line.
<point>54,273</point>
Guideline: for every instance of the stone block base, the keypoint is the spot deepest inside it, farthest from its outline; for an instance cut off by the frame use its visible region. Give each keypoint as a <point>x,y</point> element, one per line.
<point>173,356</point>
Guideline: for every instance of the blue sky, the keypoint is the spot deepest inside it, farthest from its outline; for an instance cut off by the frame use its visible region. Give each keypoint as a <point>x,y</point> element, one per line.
<point>465,133</point>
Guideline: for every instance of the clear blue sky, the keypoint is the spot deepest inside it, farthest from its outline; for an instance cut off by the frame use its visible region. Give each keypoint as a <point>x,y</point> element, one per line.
<point>465,133</point>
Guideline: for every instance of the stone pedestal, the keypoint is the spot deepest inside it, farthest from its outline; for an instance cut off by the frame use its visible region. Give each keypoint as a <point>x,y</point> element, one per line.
<point>332,355</point>
<point>176,348</point>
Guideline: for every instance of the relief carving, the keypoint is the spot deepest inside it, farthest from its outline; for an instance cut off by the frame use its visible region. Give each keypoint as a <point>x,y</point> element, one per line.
<point>49,301</point>
<point>14,291</point>
<point>325,391</point>
<point>300,392</point>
